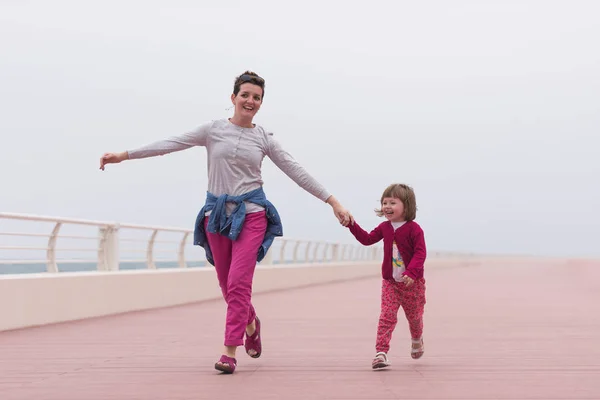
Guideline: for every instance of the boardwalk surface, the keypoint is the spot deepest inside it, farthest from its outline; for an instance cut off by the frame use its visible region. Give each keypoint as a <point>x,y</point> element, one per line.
<point>527,329</point>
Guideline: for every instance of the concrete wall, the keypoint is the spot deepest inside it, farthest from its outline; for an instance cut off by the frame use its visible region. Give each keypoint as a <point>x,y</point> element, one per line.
<point>36,299</point>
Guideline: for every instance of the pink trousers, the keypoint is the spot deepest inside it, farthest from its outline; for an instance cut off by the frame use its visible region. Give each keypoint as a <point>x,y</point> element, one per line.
<point>235,262</point>
<point>393,296</point>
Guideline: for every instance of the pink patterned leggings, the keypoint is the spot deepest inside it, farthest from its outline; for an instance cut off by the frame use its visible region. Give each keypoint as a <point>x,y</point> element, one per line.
<point>412,299</point>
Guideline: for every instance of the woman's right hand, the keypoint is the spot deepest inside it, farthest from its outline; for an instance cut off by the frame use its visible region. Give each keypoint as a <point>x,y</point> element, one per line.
<point>112,158</point>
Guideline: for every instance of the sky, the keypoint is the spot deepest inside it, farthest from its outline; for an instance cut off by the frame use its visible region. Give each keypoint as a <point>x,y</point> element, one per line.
<point>490,110</point>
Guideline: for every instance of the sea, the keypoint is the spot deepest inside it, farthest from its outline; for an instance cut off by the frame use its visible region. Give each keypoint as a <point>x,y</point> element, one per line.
<point>8,269</point>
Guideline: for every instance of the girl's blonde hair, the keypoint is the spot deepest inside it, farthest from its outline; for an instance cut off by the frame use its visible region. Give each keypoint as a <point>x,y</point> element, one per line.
<point>406,195</point>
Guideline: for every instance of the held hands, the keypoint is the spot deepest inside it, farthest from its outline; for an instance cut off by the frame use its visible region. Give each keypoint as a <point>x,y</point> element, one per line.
<point>112,158</point>
<point>343,215</point>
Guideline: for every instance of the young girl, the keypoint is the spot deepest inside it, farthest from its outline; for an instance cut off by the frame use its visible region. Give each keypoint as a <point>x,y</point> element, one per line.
<point>404,254</point>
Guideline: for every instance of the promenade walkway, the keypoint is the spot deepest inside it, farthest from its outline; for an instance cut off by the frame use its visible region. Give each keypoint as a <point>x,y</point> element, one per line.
<point>512,329</point>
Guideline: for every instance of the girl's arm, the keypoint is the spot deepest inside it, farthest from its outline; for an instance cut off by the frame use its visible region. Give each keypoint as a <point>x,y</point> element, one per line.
<point>417,262</point>
<point>366,238</point>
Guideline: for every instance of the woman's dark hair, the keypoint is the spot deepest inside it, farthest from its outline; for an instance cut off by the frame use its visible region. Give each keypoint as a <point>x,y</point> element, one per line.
<point>248,77</point>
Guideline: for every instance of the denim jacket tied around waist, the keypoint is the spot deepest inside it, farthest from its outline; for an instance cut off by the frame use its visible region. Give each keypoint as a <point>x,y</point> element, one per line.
<point>231,226</point>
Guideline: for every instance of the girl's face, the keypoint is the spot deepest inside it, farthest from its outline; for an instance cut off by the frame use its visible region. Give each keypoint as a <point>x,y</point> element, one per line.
<point>248,101</point>
<point>393,209</point>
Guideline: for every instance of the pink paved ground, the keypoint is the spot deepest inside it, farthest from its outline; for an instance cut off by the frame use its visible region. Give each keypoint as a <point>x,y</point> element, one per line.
<point>524,330</point>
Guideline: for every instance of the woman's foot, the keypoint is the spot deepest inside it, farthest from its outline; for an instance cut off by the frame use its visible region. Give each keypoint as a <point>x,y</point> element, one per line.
<point>226,364</point>
<point>253,342</point>
<point>380,361</point>
<point>418,348</point>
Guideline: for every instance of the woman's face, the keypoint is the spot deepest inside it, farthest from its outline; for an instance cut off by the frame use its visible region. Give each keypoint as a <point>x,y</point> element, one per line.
<point>248,100</point>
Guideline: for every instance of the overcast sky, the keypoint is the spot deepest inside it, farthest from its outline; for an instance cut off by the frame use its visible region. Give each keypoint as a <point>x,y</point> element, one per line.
<point>489,109</point>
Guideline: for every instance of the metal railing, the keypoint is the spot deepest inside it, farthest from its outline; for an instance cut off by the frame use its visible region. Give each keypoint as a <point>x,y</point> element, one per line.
<point>108,245</point>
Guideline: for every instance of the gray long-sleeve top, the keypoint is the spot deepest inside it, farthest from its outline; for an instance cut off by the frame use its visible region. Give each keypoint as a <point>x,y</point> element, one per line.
<point>235,156</point>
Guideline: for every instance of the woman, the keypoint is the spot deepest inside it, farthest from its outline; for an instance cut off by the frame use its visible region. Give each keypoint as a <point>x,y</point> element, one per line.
<point>237,224</point>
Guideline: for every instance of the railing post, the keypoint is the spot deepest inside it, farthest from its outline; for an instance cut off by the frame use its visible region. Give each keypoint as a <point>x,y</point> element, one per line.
<point>335,252</point>
<point>295,256</point>
<point>306,252</point>
<point>314,258</point>
<point>113,248</point>
<point>150,251</point>
<point>181,252</point>
<point>108,248</point>
<point>282,251</point>
<point>51,265</point>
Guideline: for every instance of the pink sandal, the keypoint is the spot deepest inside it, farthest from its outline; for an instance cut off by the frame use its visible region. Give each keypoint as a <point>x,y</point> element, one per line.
<point>226,364</point>
<point>254,342</point>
